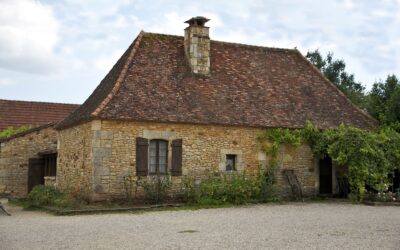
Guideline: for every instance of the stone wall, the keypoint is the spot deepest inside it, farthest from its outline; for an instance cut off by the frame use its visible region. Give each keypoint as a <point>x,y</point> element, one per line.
<point>14,157</point>
<point>74,161</point>
<point>112,154</point>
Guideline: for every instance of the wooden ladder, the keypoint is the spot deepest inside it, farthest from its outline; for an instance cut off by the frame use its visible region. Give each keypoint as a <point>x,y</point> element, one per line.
<point>294,183</point>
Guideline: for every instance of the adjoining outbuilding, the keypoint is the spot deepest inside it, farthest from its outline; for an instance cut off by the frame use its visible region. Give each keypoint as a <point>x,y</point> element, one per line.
<point>29,158</point>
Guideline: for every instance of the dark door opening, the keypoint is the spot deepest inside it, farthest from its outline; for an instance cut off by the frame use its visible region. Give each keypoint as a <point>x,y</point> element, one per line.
<point>35,172</point>
<point>396,181</point>
<point>325,176</point>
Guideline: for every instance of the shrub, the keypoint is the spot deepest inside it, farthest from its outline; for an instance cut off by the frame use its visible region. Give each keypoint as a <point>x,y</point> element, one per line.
<point>47,196</point>
<point>231,188</point>
<point>156,188</point>
<point>41,196</point>
<point>266,181</point>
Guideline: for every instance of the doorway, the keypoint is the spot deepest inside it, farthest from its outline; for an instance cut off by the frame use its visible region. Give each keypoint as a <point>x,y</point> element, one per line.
<point>35,173</point>
<point>325,176</point>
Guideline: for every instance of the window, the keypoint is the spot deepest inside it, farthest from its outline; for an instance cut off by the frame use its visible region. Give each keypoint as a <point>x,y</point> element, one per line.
<point>50,164</point>
<point>158,157</point>
<point>230,162</point>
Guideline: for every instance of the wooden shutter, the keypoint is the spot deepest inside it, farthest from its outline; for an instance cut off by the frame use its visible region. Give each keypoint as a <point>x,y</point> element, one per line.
<point>142,148</point>
<point>176,168</point>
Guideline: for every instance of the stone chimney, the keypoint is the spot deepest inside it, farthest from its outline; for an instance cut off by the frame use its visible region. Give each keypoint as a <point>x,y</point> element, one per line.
<point>197,45</point>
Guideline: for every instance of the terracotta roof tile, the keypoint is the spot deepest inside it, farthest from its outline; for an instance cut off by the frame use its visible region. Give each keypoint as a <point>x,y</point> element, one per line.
<point>248,86</point>
<point>20,113</point>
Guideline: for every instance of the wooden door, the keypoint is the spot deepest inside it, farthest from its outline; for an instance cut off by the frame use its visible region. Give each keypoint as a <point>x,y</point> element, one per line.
<point>325,176</point>
<point>35,172</point>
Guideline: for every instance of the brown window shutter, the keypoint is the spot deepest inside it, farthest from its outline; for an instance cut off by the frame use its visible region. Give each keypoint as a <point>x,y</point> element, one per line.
<point>142,148</point>
<point>176,168</point>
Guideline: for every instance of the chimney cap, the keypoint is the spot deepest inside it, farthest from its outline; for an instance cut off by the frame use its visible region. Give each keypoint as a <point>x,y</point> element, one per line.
<point>198,21</point>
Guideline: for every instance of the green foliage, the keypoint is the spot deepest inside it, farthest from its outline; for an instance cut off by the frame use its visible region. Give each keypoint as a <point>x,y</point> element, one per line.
<point>229,188</point>
<point>49,196</point>
<point>362,152</point>
<point>156,188</point>
<point>271,140</point>
<point>12,131</point>
<point>368,155</point>
<point>335,71</point>
<point>384,100</point>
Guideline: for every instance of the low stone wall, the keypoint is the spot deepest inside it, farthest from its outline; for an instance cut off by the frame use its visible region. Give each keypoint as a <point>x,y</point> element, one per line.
<point>50,181</point>
<point>14,157</point>
<point>108,148</point>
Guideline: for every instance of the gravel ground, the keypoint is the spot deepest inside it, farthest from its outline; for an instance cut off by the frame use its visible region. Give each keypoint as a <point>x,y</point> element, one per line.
<point>290,226</point>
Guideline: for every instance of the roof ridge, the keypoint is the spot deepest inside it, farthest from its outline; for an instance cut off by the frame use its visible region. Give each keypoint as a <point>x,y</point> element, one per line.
<point>230,43</point>
<point>39,102</point>
<point>254,46</point>
<point>338,90</point>
<point>121,76</point>
<point>158,34</point>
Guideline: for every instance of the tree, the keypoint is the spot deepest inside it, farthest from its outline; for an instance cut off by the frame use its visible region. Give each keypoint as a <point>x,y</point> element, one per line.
<point>384,100</point>
<point>335,71</point>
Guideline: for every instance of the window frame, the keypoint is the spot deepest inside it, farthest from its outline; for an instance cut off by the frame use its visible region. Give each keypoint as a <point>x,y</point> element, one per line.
<point>50,165</point>
<point>157,157</point>
<point>234,158</point>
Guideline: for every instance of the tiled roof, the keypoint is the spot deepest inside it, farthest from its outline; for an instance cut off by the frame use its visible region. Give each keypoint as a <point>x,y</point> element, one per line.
<point>20,113</point>
<point>247,86</point>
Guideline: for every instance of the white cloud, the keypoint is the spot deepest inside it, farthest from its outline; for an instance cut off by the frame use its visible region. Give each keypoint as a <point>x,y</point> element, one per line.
<point>6,82</point>
<point>85,38</point>
<point>173,22</point>
<point>348,4</point>
<point>28,36</point>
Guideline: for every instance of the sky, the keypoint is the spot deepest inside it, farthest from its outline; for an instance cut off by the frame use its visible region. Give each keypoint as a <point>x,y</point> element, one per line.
<point>59,50</point>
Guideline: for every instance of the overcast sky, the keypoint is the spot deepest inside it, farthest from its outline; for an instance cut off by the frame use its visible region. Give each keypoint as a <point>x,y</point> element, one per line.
<point>60,50</point>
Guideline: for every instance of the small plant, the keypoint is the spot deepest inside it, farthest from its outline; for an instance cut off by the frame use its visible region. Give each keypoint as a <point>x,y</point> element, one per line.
<point>131,184</point>
<point>156,188</point>
<point>12,131</point>
<point>188,190</point>
<point>382,196</point>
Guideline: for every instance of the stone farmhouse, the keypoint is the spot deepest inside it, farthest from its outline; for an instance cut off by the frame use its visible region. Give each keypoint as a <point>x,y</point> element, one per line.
<point>190,106</point>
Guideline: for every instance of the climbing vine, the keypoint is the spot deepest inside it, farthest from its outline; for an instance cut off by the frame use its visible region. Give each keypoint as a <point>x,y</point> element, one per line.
<point>370,156</point>
<point>271,141</point>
